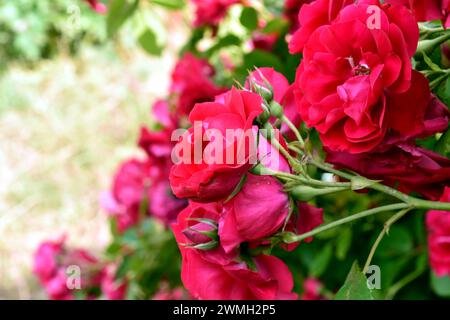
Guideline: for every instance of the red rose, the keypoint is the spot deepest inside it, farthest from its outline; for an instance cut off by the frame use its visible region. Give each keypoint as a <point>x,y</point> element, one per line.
<point>355,84</point>
<point>404,166</point>
<point>215,274</point>
<point>136,181</point>
<point>112,288</point>
<point>312,288</point>
<point>438,224</point>
<point>257,211</point>
<point>214,177</point>
<point>51,262</point>
<point>129,189</point>
<point>311,17</point>
<point>157,143</point>
<point>45,263</point>
<point>291,11</point>
<point>428,10</point>
<point>400,163</point>
<point>192,83</point>
<point>211,12</point>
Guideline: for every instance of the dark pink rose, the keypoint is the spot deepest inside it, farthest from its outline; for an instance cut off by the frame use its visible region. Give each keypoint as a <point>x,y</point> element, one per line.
<point>157,143</point>
<point>45,259</point>
<point>428,10</point>
<point>355,84</point>
<point>51,265</point>
<point>214,177</point>
<point>312,288</point>
<point>438,225</point>
<point>211,12</point>
<point>192,83</point>
<point>263,41</point>
<point>404,166</point>
<point>215,274</point>
<point>162,203</point>
<point>112,288</point>
<point>166,293</point>
<point>56,287</point>
<point>257,211</point>
<point>292,10</point>
<point>130,186</point>
<point>97,6</point>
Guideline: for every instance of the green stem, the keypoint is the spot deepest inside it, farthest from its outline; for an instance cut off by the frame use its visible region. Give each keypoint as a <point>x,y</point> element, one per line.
<point>385,230</point>
<point>294,129</point>
<point>426,46</point>
<point>402,283</point>
<point>413,202</point>
<point>291,238</point>
<point>270,136</point>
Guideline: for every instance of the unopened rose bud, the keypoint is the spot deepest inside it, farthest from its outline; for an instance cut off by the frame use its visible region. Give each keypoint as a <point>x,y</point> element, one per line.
<point>276,109</point>
<point>265,92</point>
<point>201,233</point>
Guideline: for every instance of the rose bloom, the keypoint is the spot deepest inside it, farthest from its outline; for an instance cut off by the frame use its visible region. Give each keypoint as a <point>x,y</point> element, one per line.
<point>112,289</point>
<point>291,11</point>
<point>215,176</point>
<point>257,211</point>
<point>312,288</point>
<point>311,17</point>
<point>128,192</point>
<point>401,164</point>
<point>215,274</point>
<point>157,143</point>
<point>192,82</point>
<point>51,260</point>
<point>438,225</point>
<point>141,188</point>
<point>428,10</point>
<point>211,12</point>
<point>97,6</point>
<point>355,84</point>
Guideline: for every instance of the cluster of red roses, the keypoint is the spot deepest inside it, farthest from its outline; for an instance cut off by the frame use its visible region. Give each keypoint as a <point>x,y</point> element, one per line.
<point>62,271</point>
<point>355,85</point>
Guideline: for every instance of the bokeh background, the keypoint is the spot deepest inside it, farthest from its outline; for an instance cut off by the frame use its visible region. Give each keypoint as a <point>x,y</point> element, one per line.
<point>72,100</point>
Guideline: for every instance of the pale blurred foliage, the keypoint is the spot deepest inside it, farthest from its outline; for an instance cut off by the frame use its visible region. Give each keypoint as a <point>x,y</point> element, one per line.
<point>64,127</point>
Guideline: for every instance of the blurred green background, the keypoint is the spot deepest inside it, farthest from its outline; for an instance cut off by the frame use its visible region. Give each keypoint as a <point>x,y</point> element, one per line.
<point>71,103</point>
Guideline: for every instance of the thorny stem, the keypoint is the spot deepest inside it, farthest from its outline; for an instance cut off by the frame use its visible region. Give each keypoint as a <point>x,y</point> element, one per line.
<point>385,230</point>
<point>407,202</point>
<point>291,238</point>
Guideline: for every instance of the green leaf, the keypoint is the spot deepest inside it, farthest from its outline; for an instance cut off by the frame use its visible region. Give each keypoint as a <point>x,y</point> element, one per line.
<point>321,261</point>
<point>443,145</point>
<point>170,4</point>
<point>440,285</point>
<point>397,242</point>
<point>430,63</point>
<point>343,243</point>
<point>276,26</point>
<point>149,42</point>
<point>260,58</point>
<point>443,91</point>
<point>249,18</point>
<point>355,286</point>
<point>118,12</point>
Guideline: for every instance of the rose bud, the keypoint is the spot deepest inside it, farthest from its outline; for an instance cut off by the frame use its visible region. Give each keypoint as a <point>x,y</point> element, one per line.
<point>203,235</point>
